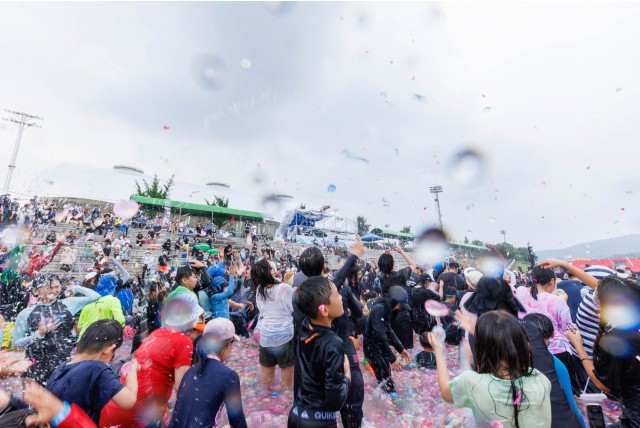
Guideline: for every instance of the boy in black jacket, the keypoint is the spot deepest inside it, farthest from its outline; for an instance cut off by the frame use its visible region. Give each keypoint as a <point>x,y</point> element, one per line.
<point>378,334</point>
<point>324,369</point>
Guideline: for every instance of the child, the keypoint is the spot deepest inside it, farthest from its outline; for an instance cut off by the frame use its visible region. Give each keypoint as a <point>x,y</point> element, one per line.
<point>324,368</point>
<point>378,333</point>
<point>211,381</point>
<point>87,381</point>
<point>506,387</point>
<point>426,358</point>
<point>106,307</point>
<point>153,308</point>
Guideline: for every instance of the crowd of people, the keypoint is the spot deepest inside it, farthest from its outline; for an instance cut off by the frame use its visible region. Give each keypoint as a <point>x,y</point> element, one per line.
<point>534,339</point>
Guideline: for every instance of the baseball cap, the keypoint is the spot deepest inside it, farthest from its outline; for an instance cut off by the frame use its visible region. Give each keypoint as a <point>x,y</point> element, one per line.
<point>474,276</point>
<point>90,275</point>
<point>220,329</point>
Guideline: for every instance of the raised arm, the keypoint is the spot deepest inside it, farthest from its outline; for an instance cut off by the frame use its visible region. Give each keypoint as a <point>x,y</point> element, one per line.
<point>124,275</point>
<point>406,258</point>
<point>587,279</point>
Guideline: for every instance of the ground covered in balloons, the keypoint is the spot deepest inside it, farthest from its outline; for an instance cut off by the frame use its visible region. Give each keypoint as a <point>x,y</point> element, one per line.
<point>419,403</point>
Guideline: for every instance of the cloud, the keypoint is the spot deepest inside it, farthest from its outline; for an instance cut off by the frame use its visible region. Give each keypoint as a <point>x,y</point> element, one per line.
<point>559,80</point>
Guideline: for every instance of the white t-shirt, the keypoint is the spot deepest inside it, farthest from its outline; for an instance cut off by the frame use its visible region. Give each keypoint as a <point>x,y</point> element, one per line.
<point>276,324</point>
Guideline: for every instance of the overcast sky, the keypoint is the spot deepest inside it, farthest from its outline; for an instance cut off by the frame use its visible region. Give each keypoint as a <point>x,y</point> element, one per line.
<point>546,93</point>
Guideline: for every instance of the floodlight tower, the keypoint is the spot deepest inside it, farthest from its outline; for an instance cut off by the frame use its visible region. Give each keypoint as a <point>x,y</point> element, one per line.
<point>437,190</point>
<point>22,120</point>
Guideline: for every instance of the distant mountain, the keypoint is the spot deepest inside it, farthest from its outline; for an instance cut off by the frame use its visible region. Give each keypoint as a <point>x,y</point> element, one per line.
<point>620,247</point>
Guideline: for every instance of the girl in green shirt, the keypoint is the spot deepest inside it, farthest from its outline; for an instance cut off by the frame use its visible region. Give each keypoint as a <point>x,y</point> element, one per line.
<point>505,387</point>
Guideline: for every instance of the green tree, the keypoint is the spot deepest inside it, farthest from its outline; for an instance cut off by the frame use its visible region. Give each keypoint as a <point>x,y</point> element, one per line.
<point>218,201</point>
<point>507,250</point>
<point>154,190</point>
<point>363,226</point>
<point>406,229</point>
<point>218,219</point>
<point>303,206</point>
<point>466,240</point>
<point>477,242</point>
<point>377,231</point>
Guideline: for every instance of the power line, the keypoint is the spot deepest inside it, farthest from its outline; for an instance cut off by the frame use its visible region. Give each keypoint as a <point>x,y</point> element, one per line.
<point>22,120</point>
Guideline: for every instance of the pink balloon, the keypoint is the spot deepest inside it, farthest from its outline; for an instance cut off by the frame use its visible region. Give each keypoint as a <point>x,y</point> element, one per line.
<point>125,209</point>
<point>436,309</point>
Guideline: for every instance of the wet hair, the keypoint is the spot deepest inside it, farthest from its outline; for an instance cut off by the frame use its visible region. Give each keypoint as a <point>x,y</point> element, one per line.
<point>161,296</point>
<point>424,341</point>
<point>311,262</point>
<point>312,293</point>
<point>542,323</point>
<point>99,335</point>
<point>502,345</point>
<point>540,276</point>
<point>45,279</point>
<point>450,291</point>
<point>493,294</point>
<point>368,295</point>
<point>385,263</point>
<point>454,265</point>
<point>183,272</point>
<point>261,277</point>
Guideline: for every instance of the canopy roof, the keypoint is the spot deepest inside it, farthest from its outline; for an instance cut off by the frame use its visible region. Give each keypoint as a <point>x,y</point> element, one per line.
<point>200,208</point>
<point>462,244</point>
<point>398,234</point>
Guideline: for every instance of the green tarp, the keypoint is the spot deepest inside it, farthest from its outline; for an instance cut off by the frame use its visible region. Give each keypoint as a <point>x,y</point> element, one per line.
<point>201,208</point>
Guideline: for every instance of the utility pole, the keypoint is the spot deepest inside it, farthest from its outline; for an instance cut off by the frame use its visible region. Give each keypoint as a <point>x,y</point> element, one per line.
<point>504,235</point>
<point>22,120</point>
<point>436,190</point>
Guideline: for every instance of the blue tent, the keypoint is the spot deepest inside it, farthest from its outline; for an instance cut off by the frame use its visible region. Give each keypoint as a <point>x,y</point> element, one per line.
<point>370,237</point>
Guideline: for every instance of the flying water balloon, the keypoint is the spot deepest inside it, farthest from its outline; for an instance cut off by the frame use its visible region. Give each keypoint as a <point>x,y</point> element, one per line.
<point>331,188</point>
<point>436,309</point>
<point>125,209</point>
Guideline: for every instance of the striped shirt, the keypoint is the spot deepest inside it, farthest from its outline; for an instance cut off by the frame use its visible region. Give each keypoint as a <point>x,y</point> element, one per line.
<point>588,322</point>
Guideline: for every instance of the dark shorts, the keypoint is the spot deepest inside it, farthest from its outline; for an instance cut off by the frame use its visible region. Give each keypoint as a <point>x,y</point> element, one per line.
<point>282,355</point>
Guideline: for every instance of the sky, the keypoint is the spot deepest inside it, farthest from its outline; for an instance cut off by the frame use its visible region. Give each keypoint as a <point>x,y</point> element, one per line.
<point>526,113</point>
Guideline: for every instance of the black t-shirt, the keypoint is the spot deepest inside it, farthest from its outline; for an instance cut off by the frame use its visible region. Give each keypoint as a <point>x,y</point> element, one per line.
<point>399,277</point>
<point>621,373</point>
<point>453,280</point>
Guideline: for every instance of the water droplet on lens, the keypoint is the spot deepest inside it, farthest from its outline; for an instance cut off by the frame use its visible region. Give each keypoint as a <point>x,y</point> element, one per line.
<point>271,204</point>
<point>245,63</point>
<point>432,247</point>
<point>618,89</point>
<point>467,168</point>
<point>491,267</point>
<point>487,109</point>
<point>210,71</point>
